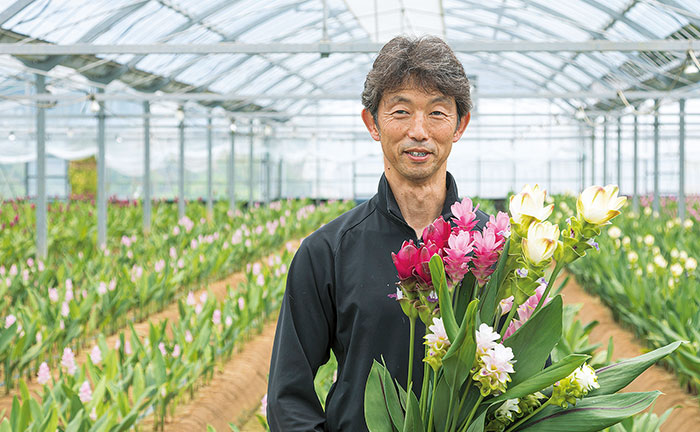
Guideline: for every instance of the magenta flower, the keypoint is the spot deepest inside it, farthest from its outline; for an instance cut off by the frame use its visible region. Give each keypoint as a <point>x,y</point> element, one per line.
<point>437,232</point>
<point>464,214</point>
<point>422,269</point>
<point>500,225</point>
<point>486,251</point>
<point>456,259</point>
<point>406,260</point>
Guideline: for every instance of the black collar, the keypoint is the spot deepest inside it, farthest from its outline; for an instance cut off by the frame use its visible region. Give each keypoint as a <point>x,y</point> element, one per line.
<point>387,202</point>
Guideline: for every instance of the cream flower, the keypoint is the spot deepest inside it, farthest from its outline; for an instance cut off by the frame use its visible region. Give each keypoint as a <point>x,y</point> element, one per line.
<point>529,203</point>
<point>541,242</point>
<point>597,204</point>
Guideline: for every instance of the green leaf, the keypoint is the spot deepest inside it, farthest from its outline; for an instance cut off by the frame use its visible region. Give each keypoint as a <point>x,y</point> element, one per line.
<point>462,295</point>
<point>458,361</point>
<point>377,413</point>
<point>489,297</point>
<point>544,378</point>
<point>413,422</point>
<point>5,426</point>
<point>437,273</point>
<point>533,342</point>
<point>139,383</point>
<point>25,416</point>
<point>616,376</point>
<point>478,423</point>
<point>590,414</point>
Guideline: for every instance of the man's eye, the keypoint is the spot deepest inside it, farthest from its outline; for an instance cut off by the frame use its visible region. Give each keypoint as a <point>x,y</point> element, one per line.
<point>437,113</point>
<point>400,112</point>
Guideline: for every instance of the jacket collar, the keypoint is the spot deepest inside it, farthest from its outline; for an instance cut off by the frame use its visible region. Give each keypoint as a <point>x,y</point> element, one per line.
<point>386,202</point>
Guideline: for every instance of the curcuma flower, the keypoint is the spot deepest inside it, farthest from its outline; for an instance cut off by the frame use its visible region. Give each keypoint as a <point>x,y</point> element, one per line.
<point>437,342</point>
<point>597,205</point>
<point>44,374</point>
<point>85,392</point>
<point>437,232</point>
<point>456,259</point>
<point>575,386</point>
<point>406,260</point>
<point>541,242</point>
<point>68,361</point>
<point>500,225</point>
<point>486,251</point>
<point>493,370</point>
<point>464,214</point>
<point>529,205</point>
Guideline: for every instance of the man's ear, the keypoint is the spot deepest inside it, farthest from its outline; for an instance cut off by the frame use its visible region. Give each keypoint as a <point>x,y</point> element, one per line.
<point>371,124</point>
<point>461,127</point>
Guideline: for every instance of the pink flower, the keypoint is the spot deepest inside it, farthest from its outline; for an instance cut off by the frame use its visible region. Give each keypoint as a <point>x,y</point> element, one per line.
<point>456,259</point>
<point>188,336</point>
<point>68,361</point>
<point>500,225</point>
<point>526,309</point>
<point>190,299</point>
<point>437,232</point>
<point>241,303</point>
<point>216,317</point>
<point>102,288</point>
<point>161,347</point>
<point>263,405</point>
<point>44,374</point>
<point>506,305</point>
<point>85,393</point>
<point>257,268</point>
<point>405,260</point>
<point>176,351</point>
<point>464,214</point>
<point>65,310</point>
<point>127,348</point>
<point>9,320</point>
<point>96,355</point>
<point>486,251</point>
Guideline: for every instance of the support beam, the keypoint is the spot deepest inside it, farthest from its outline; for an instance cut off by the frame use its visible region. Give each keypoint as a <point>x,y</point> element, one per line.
<point>605,151</point>
<point>147,167</point>
<point>280,168</point>
<point>41,219</point>
<point>681,159</point>
<point>13,10</point>
<point>656,205</point>
<point>635,176</point>
<point>101,173</point>
<point>231,178</point>
<point>268,178</point>
<point>210,200</point>
<point>483,46</point>
<point>181,168</point>
<point>619,151</point>
<point>250,165</point>
<point>593,155</point>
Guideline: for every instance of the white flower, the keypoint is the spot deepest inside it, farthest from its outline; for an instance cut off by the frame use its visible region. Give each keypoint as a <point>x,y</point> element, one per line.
<point>586,378</point>
<point>529,202</point>
<point>498,363</point>
<point>508,408</point>
<point>649,240</point>
<point>660,261</point>
<point>676,270</point>
<point>506,305</point>
<point>437,335</point>
<point>691,264</point>
<point>485,338</point>
<point>541,242</point>
<point>632,257</point>
<point>597,204</point>
<point>399,294</point>
<point>614,232</point>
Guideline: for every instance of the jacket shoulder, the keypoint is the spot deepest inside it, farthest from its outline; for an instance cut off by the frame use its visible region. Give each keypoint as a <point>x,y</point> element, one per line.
<point>331,234</point>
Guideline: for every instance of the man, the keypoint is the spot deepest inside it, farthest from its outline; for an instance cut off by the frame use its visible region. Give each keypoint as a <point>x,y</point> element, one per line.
<point>416,104</point>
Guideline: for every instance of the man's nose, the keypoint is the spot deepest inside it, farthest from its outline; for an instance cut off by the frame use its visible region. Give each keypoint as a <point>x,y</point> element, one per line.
<point>417,130</point>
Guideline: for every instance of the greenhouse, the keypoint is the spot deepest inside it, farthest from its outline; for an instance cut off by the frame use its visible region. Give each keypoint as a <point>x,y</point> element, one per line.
<point>162,162</point>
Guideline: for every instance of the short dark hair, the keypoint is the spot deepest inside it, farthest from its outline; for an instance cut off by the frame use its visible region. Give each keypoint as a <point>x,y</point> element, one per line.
<point>426,62</point>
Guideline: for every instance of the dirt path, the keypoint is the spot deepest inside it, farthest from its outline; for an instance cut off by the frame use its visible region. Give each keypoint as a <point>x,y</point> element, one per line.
<point>234,394</point>
<point>686,418</point>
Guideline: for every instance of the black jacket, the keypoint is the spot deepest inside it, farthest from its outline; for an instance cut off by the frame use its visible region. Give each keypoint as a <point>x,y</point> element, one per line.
<point>336,298</point>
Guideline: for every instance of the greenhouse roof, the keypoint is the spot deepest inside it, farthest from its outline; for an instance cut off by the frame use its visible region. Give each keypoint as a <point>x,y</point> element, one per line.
<point>282,55</point>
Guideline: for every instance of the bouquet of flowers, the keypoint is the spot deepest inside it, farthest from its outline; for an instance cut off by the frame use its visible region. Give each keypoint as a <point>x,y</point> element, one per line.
<point>491,325</point>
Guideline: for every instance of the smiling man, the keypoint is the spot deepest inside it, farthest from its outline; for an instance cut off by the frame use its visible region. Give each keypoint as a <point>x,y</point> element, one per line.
<point>417,103</point>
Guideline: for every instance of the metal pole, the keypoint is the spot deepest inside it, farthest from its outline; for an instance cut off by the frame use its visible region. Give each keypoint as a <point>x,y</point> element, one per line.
<point>583,159</point>
<point>279,177</point>
<point>146,166</point>
<point>635,194</point>
<point>605,151</point>
<point>210,204</point>
<point>181,170</point>
<point>325,21</point>
<point>656,156</point>
<point>232,170</point>
<point>681,160</point>
<point>268,177</point>
<point>619,151</point>
<point>593,155</point>
<point>250,167</point>
<point>41,222</point>
<point>549,174</point>
<point>101,172</point>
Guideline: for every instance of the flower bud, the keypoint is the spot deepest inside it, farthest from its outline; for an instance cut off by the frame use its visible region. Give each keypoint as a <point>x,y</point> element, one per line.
<point>541,242</point>
<point>597,205</point>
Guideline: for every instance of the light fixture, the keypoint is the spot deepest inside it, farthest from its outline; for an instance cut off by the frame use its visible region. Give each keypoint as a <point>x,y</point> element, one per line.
<point>267,131</point>
<point>233,126</point>
<point>11,136</point>
<point>691,69</point>
<point>180,114</point>
<point>94,105</point>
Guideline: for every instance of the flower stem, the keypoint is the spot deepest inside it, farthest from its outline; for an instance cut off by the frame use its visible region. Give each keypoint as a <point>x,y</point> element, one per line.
<point>509,318</point>
<point>471,414</point>
<point>412,326</point>
<point>432,406</point>
<point>557,268</point>
<point>423,389</point>
<point>522,420</point>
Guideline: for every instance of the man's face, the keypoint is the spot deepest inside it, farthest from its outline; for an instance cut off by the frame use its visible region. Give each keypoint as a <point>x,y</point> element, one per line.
<point>416,130</point>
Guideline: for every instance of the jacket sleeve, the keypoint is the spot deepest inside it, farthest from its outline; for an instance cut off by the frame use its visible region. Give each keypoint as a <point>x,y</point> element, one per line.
<point>302,341</point>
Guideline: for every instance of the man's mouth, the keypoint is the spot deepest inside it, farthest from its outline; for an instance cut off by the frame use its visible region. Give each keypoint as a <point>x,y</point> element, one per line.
<point>418,154</point>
